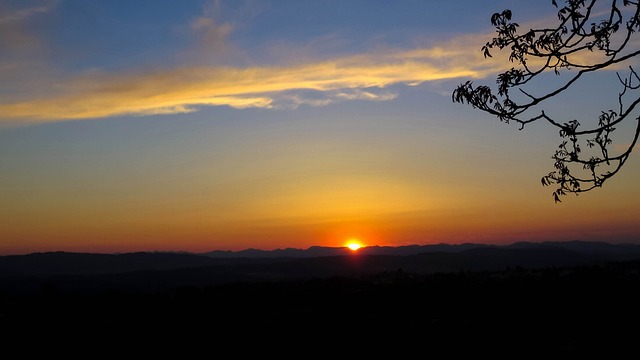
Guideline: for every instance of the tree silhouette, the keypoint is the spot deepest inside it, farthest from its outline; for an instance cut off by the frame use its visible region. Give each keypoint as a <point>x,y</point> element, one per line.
<point>589,36</point>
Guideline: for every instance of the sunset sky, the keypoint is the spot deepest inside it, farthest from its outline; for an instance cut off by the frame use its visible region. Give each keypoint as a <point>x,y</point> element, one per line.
<point>203,125</point>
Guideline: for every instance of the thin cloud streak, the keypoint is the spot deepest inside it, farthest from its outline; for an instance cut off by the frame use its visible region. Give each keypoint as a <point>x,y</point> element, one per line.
<point>182,90</point>
<point>211,33</point>
<point>22,14</point>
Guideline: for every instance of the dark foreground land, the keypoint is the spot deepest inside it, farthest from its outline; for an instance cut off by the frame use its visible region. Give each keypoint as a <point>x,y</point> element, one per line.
<point>550,311</point>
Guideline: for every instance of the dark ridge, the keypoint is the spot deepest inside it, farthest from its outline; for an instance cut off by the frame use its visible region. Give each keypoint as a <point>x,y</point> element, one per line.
<point>323,261</point>
<point>622,250</point>
<point>313,251</point>
<point>564,311</point>
<point>60,263</point>
<point>143,272</point>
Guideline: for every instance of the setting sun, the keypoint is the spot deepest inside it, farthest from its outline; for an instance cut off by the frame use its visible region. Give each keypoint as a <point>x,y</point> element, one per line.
<point>354,244</point>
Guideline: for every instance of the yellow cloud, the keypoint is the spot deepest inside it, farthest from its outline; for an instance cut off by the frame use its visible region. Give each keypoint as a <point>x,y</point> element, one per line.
<point>180,90</point>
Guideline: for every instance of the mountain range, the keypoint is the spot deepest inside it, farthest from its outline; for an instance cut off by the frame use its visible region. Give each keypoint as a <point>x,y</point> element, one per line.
<point>601,248</point>
<point>316,261</point>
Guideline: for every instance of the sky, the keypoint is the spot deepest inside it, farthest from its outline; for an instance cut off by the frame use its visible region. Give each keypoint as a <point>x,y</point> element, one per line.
<point>172,125</point>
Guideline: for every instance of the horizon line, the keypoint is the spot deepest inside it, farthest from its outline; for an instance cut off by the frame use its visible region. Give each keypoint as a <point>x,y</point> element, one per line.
<point>317,246</point>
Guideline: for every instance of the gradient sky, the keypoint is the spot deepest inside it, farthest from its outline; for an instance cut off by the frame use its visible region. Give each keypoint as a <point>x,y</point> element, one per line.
<point>203,125</point>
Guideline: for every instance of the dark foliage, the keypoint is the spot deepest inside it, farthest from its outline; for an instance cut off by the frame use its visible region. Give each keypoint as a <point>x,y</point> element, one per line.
<point>586,39</point>
<point>515,311</point>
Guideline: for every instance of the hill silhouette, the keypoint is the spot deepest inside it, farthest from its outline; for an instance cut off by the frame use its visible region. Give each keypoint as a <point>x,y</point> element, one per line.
<point>599,248</point>
<point>572,298</point>
<point>323,261</point>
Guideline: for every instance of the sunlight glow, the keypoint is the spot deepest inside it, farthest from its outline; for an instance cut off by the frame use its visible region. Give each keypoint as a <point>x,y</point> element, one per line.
<point>354,244</point>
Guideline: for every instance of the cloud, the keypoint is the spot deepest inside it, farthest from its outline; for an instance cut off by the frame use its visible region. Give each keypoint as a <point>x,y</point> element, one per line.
<point>22,51</point>
<point>15,34</point>
<point>184,89</point>
<point>212,34</point>
<point>12,16</point>
<point>358,94</point>
<point>294,99</point>
<point>143,92</point>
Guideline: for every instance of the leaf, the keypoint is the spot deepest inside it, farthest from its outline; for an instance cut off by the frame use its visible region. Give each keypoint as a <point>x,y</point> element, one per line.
<point>485,51</point>
<point>494,19</point>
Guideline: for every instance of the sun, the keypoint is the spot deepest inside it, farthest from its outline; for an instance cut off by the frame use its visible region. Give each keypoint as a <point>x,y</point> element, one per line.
<point>354,244</point>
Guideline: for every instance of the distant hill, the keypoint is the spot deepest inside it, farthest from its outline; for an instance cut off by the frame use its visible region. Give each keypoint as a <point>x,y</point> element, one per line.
<point>554,297</point>
<point>66,263</point>
<point>609,250</point>
<point>316,251</point>
<point>160,269</point>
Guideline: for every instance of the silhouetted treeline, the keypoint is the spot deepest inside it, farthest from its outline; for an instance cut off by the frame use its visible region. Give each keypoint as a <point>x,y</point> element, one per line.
<point>581,309</point>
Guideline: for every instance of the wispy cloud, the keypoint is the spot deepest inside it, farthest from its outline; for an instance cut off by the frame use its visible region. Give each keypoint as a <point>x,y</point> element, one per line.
<point>358,94</point>
<point>210,31</point>
<point>22,14</point>
<point>22,51</point>
<point>296,98</point>
<point>14,30</point>
<point>181,90</point>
